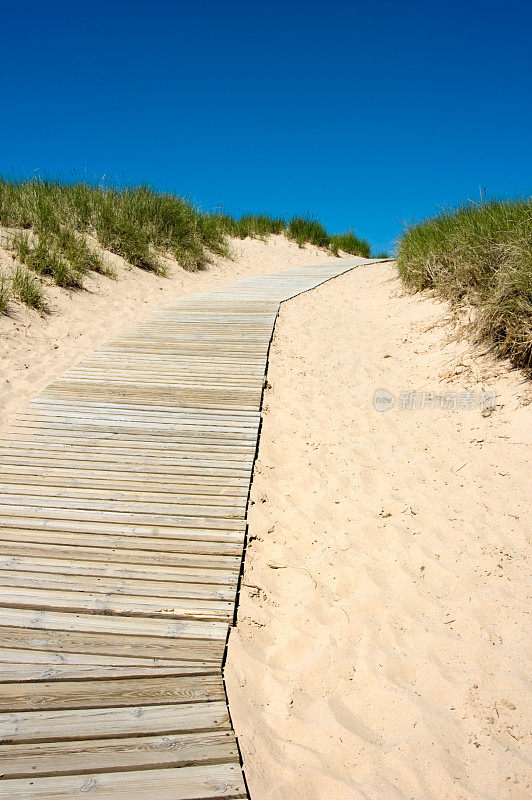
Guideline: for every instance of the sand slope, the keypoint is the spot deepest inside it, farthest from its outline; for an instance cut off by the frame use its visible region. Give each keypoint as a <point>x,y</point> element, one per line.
<point>380,650</point>
<point>381,643</point>
<point>35,349</point>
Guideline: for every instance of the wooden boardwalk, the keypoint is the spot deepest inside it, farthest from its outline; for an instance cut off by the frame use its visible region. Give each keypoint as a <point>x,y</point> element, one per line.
<point>122,530</point>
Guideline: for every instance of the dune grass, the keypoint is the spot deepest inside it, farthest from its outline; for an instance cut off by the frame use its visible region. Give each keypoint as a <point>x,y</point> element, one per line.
<point>139,224</point>
<point>54,228</point>
<point>257,226</point>
<point>28,288</point>
<point>302,229</point>
<point>480,255</point>
<point>307,229</point>
<point>351,243</point>
<point>5,292</point>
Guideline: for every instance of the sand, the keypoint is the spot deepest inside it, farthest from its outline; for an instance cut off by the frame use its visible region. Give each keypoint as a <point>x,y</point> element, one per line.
<point>35,349</point>
<point>380,647</point>
<point>380,650</point>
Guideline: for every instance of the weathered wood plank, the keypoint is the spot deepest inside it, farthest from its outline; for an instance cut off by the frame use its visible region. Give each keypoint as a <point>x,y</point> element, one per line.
<point>180,650</point>
<point>187,783</point>
<point>110,568</point>
<point>173,542</point>
<point>95,755</point>
<point>16,672</point>
<point>41,696</point>
<point>46,599</point>
<point>69,725</point>
<point>116,587</point>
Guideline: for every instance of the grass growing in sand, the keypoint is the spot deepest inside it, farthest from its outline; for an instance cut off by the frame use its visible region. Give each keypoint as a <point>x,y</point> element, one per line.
<point>257,226</point>
<point>139,224</point>
<point>479,255</point>
<point>5,292</point>
<point>308,229</point>
<point>61,231</point>
<point>28,288</point>
<point>303,230</point>
<point>351,243</point>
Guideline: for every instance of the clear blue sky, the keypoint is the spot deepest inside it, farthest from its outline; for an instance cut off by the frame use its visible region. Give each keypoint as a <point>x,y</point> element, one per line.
<point>367,114</point>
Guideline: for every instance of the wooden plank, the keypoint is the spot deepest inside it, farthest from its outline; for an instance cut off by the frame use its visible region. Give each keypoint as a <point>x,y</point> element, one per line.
<point>187,783</point>
<point>115,499</point>
<point>26,672</point>
<point>117,587</point>
<point>46,599</point>
<point>72,481</point>
<point>62,501</point>
<point>94,723</point>
<point>46,441</point>
<point>13,655</point>
<point>169,543</point>
<point>213,568</point>
<point>95,755</point>
<point>101,624</point>
<point>140,425</point>
<point>41,696</point>
<point>130,531</point>
<point>153,474</point>
<point>116,569</point>
<point>179,413</point>
<point>185,457</point>
<point>142,518</point>
<point>123,648</point>
<point>146,469</point>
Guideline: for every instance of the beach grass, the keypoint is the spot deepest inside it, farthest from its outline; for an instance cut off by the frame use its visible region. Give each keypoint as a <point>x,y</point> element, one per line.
<point>139,224</point>
<point>479,255</point>
<point>301,229</point>
<point>257,226</point>
<point>308,229</point>
<point>5,292</point>
<point>350,243</point>
<point>28,288</point>
<point>60,231</point>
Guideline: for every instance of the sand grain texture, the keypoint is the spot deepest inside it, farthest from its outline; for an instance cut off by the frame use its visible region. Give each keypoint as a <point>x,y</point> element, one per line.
<point>380,648</point>
<point>381,639</point>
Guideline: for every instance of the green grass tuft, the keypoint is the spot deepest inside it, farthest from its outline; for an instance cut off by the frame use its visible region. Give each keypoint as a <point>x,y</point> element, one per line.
<point>479,254</point>
<point>61,257</point>
<point>350,243</point>
<point>81,257</point>
<point>256,226</point>
<point>308,230</point>
<point>28,288</point>
<point>5,292</point>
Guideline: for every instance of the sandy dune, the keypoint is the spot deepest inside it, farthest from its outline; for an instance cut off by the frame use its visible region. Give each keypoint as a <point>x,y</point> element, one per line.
<point>35,349</point>
<point>380,651</point>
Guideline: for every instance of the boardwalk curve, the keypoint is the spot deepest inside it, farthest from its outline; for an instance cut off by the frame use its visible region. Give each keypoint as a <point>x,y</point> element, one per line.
<point>123,497</point>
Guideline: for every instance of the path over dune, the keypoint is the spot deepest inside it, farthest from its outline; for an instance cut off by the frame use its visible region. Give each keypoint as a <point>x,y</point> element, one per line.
<point>122,532</point>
